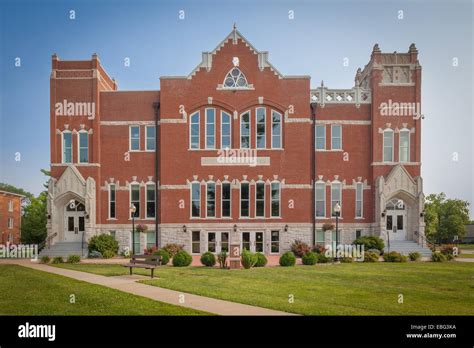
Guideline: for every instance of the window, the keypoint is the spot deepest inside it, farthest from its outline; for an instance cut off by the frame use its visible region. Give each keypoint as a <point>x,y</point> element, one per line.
<point>320,199</point>
<point>10,223</point>
<point>226,138</point>
<point>225,241</point>
<point>135,138</point>
<point>359,199</point>
<point>321,137</point>
<point>320,237</point>
<point>113,234</point>
<point>275,199</point>
<point>211,242</point>
<point>235,79</point>
<point>244,200</point>
<point>358,233</point>
<point>196,199</point>
<point>83,147</point>
<point>388,146</point>
<point>275,243</point>
<point>260,199</point>
<point>196,242</point>
<point>211,200</point>
<point>336,137</point>
<point>112,198</point>
<point>245,130</point>
<point>276,130</point>
<point>336,238</point>
<point>67,147</point>
<point>150,138</point>
<point>150,239</point>
<point>150,201</point>
<point>226,200</point>
<point>210,128</point>
<point>335,197</point>
<point>135,198</point>
<point>10,206</point>
<point>260,117</point>
<point>404,150</point>
<point>194,131</point>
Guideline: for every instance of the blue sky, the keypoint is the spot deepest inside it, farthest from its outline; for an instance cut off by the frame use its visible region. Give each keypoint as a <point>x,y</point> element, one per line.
<point>314,43</point>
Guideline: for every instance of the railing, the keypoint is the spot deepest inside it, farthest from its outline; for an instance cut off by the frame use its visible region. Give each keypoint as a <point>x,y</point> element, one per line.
<point>355,95</point>
<point>425,241</point>
<point>82,243</point>
<point>47,241</point>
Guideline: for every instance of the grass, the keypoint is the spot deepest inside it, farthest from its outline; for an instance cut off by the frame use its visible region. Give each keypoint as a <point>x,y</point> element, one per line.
<point>466,256</point>
<point>466,246</point>
<point>26,291</point>
<point>344,289</point>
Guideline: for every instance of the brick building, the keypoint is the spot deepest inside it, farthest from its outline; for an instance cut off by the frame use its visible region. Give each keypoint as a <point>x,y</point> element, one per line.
<point>236,152</point>
<point>10,217</point>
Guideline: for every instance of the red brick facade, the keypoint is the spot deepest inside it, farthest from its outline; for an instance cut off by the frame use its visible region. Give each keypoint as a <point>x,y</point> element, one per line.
<point>10,217</point>
<point>283,116</point>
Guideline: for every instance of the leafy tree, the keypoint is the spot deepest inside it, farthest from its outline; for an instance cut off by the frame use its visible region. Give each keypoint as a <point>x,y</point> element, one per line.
<point>33,225</point>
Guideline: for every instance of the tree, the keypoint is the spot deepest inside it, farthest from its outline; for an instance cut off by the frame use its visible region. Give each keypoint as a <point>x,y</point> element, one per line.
<point>445,218</point>
<point>33,226</point>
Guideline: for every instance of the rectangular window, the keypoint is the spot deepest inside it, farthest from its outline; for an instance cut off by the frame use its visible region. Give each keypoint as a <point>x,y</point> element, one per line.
<point>210,128</point>
<point>112,197</point>
<point>359,199</point>
<point>211,200</point>
<point>225,200</point>
<point>211,242</point>
<point>275,199</point>
<point>388,146</point>
<point>196,199</point>
<point>244,200</point>
<point>336,137</point>
<point>67,147</point>
<point>320,199</point>
<point>196,242</point>
<point>225,130</point>
<point>321,137</point>
<point>194,131</point>
<point>10,223</point>
<point>135,199</point>
<point>260,200</point>
<point>83,147</point>
<point>276,130</point>
<point>260,117</point>
<point>82,224</point>
<point>320,237</point>
<point>150,239</point>
<point>358,233</point>
<point>275,243</point>
<point>335,197</point>
<point>245,131</point>
<point>225,241</point>
<point>150,201</point>
<point>336,238</point>
<point>10,206</point>
<point>134,138</point>
<point>404,150</point>
<point>150,138</point>
<point>113,234</point>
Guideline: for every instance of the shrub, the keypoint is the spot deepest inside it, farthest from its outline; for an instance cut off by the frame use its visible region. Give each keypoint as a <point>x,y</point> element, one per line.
<point>150,251</point>
<point>370,256</point>
<point>173,249</point>
<point>394,256</point>
<point>299,248</point>
<point>287,259</point>
<point>414,256</point>
<point>370,242</point>
<point>104,244</point>
<point>322,258</point>
<point>346,259</point>
<point>222,259</point>
<point>448,249</point>
<point>261,260</point>
<point>208,259</point>
<point>248,259</point>
<point>310,258</point>
<point>141,228</point>
<point>94,254</point>
<point>377,251</point>
<point>328,227</point>
<point>73,259</point>
<point>319,249</point>
<point>449,257</point>
<point>45,259</point>
<point>57,259</point>
<point>438,257</point>
<point>182,259</point>
<point>165,256</point>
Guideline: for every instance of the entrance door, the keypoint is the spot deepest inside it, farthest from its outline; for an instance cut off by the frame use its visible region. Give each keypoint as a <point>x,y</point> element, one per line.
<point>252,241</point>
<point>74,222</point>
<point>218,242</point>
<point>396,220</point>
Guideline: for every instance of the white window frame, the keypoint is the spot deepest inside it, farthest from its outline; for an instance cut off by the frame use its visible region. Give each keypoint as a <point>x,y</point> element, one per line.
<point>279,199</point>
<point>62,147</point>
<point>10,205</point>
<point>281,129</point>
<point>407,132</point>
<point>146,200</point>
<point>360,186</point>
<point>323,184</point>
<point>79,147</point>
<point>240,199</point>
<point>110,201</point>
<point>264,125</point>
<point>333,137</point>
<point>198,113</point>
<point>230,199</point>
<point>10,223</point>
<point>323,126</point>
<point>215,194</point>
<point>318,242</point>
<point>340,198</point>
<point>193,242</point>
<point>384,145</point>
<point>205,129</point>
<point>146,139</point>
<point>230,128</point>
<point>140,208</point>
<point>192,200</point>
<point>263,199</point>
<point>271,242</point>
<point>250,129</point>
<point>130,138</point>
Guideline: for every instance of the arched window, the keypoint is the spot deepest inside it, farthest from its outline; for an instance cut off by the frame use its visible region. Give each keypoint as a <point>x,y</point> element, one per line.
<point>235,79</point>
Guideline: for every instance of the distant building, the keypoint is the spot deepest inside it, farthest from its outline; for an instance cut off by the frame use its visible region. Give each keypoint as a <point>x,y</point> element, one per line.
<point>10,217</point>
<point>469,236</point>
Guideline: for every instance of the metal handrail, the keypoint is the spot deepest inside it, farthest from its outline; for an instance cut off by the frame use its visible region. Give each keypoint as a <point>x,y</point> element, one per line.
<point>47,240</point>
<point>82,243</point>
<point>426,240</point>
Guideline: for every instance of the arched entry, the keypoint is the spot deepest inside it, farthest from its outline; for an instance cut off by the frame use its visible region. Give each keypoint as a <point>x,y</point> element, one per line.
<point>74,221</point>
<point>396,219</point>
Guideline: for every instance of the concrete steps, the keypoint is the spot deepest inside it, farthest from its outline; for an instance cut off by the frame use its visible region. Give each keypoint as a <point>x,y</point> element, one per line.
<point>64,249</point>
<point>406,246</point>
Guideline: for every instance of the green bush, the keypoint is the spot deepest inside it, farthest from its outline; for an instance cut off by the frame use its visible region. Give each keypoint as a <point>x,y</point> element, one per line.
<point>248,259</point>
<point>104,244</point>
<point>448,249</point>
<point>370,242</point>
<point>182,259</point>
<point>414,256</point>
<point>322,258</point>
<point>370,256</point>
<point>309,259</point>
<point>165,256</point>
<point>73,259</point>
<point>438,257</point>
<point>57,259</point>
<point>261,260</point>
<point>299,248</point>
<point>346,259</point>
<point>222,258</point>
<point>172,248</point>
<point>45,259</point>
<point>94,254</point>
<point>287,259</point>
<point>394,256</point>
<point>208,259</point>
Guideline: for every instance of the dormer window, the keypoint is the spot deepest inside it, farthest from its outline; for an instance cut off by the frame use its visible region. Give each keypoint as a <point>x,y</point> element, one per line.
<point>235,79</point>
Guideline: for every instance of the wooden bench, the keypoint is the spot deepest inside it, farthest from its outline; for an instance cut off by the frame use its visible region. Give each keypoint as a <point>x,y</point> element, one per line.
<point>144,261</point>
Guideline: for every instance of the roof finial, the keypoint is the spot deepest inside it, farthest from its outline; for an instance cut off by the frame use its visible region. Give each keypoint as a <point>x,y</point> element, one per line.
<point>235,26</point>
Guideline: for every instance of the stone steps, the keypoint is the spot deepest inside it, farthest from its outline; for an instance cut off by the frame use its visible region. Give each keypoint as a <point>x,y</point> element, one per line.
<point>406,247</point>
<point>64,249</point>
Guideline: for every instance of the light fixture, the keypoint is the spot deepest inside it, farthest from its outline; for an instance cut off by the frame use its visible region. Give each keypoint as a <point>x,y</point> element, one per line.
<point>286,228</point>
<point>422,213</point>
<point>337,208</point>
<point>133,209</point>
<point>235,228</point>
<point>184,228</point>
<point>384,213</point>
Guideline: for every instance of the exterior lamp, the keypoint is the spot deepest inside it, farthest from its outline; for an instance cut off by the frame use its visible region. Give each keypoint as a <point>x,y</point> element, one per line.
<point>337,212</point>
<point>184,228</point>
<point>384,213</point>
<point>235,228</point>
<point>286,228</point>
<point>133,209</point>
<point>422,213</point>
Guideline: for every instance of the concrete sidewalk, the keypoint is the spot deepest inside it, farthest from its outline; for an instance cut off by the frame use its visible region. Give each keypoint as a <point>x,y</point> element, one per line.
<point>129,284</point>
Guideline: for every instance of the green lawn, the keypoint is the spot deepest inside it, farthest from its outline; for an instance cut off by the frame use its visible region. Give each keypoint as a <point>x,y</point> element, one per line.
<point>466,246</point>
<point>26,291</point>
<point>327,289</point>
<point>466,256</point>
